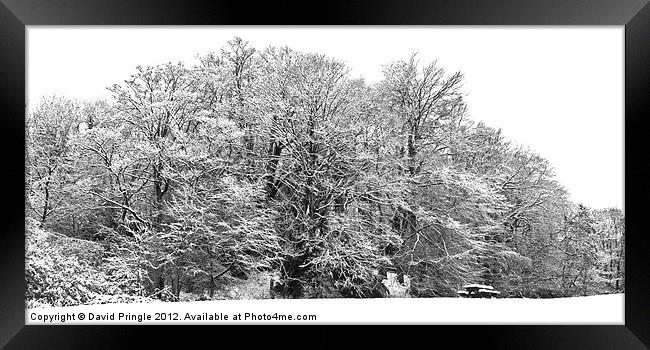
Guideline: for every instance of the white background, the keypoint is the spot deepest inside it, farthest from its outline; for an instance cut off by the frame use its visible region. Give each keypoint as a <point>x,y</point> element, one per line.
<point>558,90</point>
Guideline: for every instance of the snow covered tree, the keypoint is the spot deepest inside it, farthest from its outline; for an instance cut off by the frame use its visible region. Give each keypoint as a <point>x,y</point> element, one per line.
<point>315,177</point>
<point>610,230</point>
<point>52,182</point>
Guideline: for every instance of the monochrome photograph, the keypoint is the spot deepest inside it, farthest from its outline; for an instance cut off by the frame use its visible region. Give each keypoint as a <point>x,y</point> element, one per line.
<point>197,164</point>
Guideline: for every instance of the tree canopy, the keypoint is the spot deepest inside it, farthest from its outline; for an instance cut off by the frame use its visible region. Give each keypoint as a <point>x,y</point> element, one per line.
<point>277,162</point>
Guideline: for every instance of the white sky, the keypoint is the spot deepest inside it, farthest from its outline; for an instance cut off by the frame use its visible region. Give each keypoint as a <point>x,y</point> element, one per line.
<point>558,90</point>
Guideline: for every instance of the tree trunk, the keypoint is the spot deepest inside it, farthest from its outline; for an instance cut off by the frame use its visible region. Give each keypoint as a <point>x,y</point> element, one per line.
<point>160,283</point>
<point>274,152</point>
<point>46,203</point>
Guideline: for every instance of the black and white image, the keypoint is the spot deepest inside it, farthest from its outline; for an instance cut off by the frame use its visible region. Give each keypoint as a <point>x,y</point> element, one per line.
<point>201,164</point>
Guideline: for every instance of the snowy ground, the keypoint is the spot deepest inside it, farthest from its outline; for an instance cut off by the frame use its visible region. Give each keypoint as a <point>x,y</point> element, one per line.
<point>600,309</point>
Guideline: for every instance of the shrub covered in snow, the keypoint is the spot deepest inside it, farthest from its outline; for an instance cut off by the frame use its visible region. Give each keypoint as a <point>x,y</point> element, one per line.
<point>63,271</point>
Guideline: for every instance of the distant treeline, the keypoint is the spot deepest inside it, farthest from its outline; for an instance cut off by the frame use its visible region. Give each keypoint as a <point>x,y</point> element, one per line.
<point>276,161</point>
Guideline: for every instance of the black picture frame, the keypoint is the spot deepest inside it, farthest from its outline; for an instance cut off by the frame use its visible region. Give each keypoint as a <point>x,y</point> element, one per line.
<point>15,15</point>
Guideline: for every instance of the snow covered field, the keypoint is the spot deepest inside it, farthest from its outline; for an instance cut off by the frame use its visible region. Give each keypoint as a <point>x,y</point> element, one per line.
<point>600,309</point>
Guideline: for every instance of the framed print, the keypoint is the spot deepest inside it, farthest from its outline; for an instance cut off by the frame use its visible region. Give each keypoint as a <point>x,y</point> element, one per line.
<point>452,165</point>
